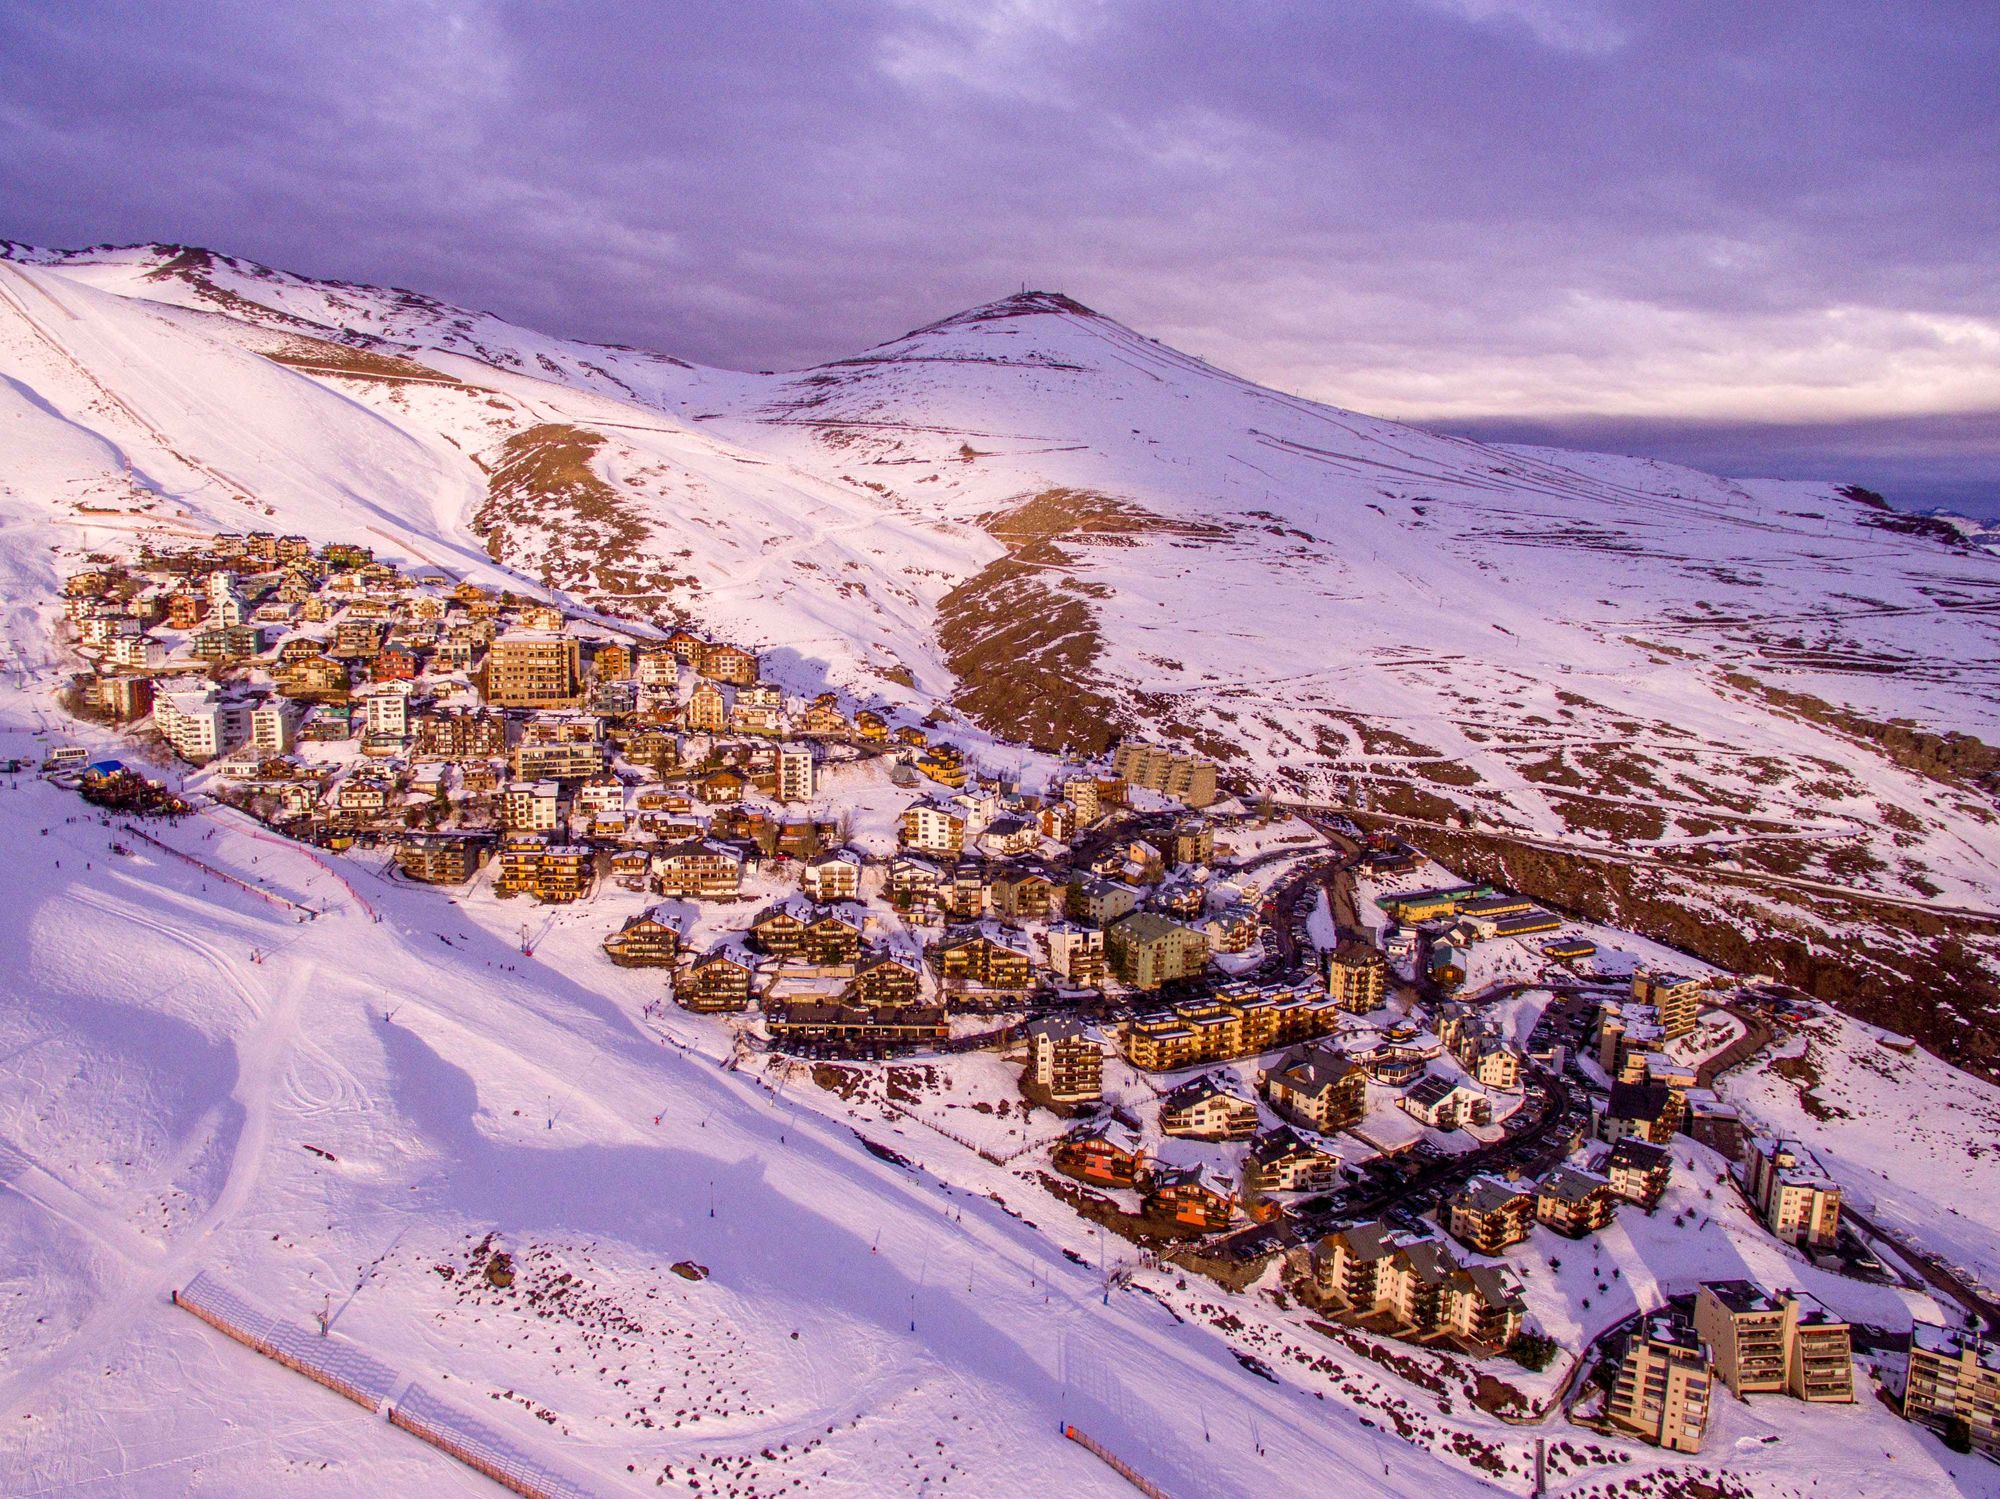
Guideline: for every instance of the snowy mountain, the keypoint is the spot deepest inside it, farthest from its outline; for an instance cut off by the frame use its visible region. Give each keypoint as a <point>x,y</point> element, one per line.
<point>494,1180</point>
<point>1752,713</point>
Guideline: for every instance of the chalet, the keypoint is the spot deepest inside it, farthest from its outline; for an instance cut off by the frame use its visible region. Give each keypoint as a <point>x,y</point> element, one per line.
<point>1021,893</point>
<point>985,957</point>
<point>699,871</point>
<point>1196,1196</point>
<point>1445,1103</point>
<point>1317,1087</point>
<point>652,939</point>
<point>1575,1202</point>
<point>1488,1214</point>
<point>716,982</point>
<point>631,868</point>
<point>778,930</point>
<point>888,977</point>
<point>441,858</point>
<point>1413,1287</point>
<point>1102,1151</point>
<point>832,876</point>
<point>1283,1160</point>
<point>1639,1171</point>
<point>1209,1108</point>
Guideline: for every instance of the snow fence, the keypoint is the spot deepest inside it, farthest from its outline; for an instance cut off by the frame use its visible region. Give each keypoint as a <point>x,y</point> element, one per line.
<point>479,1446</point>
<point>340,1366</point>
<point>367,1381</point>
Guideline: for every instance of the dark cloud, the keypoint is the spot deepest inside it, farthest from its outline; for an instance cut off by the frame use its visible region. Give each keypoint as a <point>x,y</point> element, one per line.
<point>1446,208</point>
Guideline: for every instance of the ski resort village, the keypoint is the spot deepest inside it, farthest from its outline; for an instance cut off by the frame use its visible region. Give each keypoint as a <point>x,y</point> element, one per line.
<point>1522,1198</point>
<point>1012,914</point>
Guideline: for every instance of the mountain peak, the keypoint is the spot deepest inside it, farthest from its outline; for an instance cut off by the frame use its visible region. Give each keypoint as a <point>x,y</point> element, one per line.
<point>1021,304</point>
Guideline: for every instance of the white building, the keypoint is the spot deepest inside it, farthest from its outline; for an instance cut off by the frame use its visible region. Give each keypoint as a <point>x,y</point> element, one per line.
<point>271,728</point>
<point>797,781</point>
<point>388,709</point>
<point>199,725</point>
<point>530,806</point>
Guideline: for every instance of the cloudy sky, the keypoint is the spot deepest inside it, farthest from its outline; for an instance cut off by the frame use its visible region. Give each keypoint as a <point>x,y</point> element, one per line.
<point>1761,237</point>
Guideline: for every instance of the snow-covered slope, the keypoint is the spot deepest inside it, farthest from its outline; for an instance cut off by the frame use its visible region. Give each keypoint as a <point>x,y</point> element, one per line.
<point>1068,530</point>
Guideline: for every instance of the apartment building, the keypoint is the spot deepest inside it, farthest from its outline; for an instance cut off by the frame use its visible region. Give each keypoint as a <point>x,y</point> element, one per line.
<point>1076,953</point>
<point>1186,778</point>
<point>1487,1214</point>
<point>932,828</point>
<point>1661,1393</point>
<point>1064,1061</point>
<point>1240,1024</point>
<point>533,669</point>
<point>1147,950</point>
<point>441,858</point>
<point>1208,1108</point>
<point>1317,1087</point>
<point>531,807</point>
<point>1575,1202</point>
<point>199,725</point>
<point>1775,1343</point>
<point>1357,977</point>
<point>1675,998</point>
<point>1954,1386</point>
<point>1799,1202</point>
<point>797,778</point>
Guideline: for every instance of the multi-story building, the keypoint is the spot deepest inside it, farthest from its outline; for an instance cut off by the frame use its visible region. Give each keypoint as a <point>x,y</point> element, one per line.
<point>272,728</point>
<point>1412,1286</point>
<point>1638,1171</point>
<point>1575,1202</point>
<point>555,872</point>
<point>1317,1087</point>
<point>894,977</point>
<point>651,939</point>
<point>1147,950</point>
<point>1661,1393</point>
<point>1242,1023</point>
<point>531,807</point>
<point>932,828</point>
<point>1208,1108</point>
<point>797,781</point>
<point>1675,998</point>
<point>717,982</point>
<point>1487,1214</point>
<point>1065,1062</point>
<point>533,669</point>
<point>1102,1150</point>
<point>1357,977</point>
<point>1799,1202</point>
<point>1195,1195</point>
<point>1953,1385</point>
<point>1283,1160</point>
<point>441,858</point>
<point>986,957</point>
<point>832,876</point>
<point>1783,1343</point>
<point>1076,953</point>
<point>386,710</point>
<point>199,725</point>
<point>1186,778</point>
<point>699,870</point>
